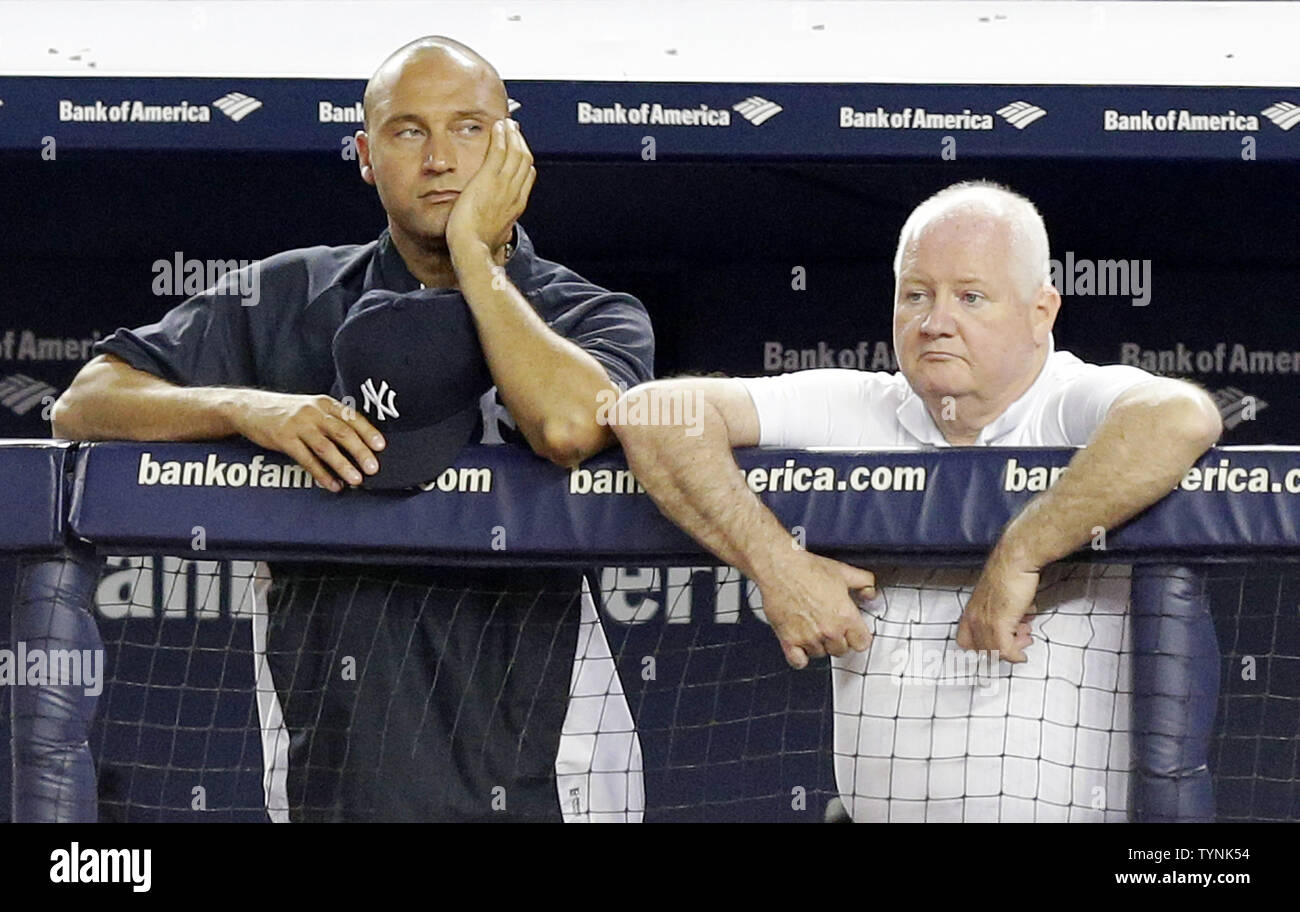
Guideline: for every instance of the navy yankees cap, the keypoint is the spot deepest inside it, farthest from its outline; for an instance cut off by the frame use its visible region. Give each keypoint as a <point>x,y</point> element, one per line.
<point>412,364</point>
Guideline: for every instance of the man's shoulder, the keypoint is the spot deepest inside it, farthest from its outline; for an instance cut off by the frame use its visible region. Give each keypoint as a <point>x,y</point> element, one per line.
<point>839,407</point>
<point>859,391</point>
<point>843,378</point>
<point>320,256</point>
<point>560,288</point>
<point>305,273</point>
<point>557,290</point>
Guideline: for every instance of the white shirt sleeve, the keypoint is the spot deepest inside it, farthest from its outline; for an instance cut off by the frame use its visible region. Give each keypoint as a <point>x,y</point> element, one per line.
<point>816,408</point>
<point>1078,406</point>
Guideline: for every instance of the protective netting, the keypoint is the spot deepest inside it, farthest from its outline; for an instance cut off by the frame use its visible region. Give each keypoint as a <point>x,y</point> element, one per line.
<point>241,690</point>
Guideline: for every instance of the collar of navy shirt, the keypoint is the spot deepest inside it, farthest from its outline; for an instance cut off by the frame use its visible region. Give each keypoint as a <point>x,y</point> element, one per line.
<point>390,270</point>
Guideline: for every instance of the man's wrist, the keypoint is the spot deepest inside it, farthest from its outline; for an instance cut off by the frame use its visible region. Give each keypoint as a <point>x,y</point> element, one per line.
<point>228,407</point>
<point>469,252</point>
<point>774,560</point>
<point>1016,551</point>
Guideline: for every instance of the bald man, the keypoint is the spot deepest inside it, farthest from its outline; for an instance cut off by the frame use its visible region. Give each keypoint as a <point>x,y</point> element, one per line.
<point>1035,728</point>
<point>475,720</point>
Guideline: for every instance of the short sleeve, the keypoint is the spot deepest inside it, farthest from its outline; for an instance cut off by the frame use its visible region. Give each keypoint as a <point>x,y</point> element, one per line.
<point>816,408</point>
<point>1080,404</point>
<point>614,329</point>
<point>203,341</point>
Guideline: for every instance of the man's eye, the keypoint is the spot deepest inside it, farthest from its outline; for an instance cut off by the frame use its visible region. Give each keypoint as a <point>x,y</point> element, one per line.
<point>410,130</point>
<point>472,128</point>
<point>972,297</point>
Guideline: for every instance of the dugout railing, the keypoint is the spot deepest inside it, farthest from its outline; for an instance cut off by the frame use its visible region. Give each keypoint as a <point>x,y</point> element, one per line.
<point>147,555</point>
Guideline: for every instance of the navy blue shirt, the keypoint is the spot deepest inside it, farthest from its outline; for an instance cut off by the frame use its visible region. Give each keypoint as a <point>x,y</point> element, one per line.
<point>282,342</point>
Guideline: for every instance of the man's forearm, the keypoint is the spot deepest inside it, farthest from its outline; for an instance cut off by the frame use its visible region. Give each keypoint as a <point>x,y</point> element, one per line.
<point>1138,455</point>
<point>112,401</point>
<point>695,482</point>
<point>550,385</point>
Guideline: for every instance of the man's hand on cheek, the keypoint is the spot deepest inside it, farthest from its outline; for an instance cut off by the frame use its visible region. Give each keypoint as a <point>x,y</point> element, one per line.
<point>486,210</point>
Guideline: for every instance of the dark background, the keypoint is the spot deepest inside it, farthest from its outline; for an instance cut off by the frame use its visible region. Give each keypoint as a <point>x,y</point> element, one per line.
<point>707,246</point>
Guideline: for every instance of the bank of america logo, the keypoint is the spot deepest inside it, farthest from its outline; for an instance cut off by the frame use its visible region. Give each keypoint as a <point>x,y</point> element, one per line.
<point>1233,404</point>
<point>1285,114</point>
<point>1021,114</point>
<point>20,393</point>
<point>383,399</point>
<point>236,105</point>
<point>757,110</point>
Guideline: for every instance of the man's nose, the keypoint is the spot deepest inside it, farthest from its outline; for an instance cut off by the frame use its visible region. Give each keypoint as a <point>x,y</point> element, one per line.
<point>438,156</point>
<point>940,321</point>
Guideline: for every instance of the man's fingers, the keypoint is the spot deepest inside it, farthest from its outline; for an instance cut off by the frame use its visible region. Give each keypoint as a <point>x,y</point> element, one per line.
<point>517,145</point>
<point>496,156</point>
<point>1010,642</point>
<point>359,423</point>
<point>511,152</point>
<point>857,578</point>
<point>1012,638</point>
<point>835,645</point>
<point>862,596</point>
<point>1024,636</point>
<point>520,186</point>
<point>1013,654</point>
<point>299,453</point>
<point>795,657</point>
<point>859,636</point>
<point>964,638</point>
<point>330,454</point>
<point>527,191</point>
<point>519,177</point>
<point>518,166</point>
<point>348,414</point>
<point>852,635</point>
<point>346,437</point>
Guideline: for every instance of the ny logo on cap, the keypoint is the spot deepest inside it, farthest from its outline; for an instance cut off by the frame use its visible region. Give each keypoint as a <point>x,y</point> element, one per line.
<point>383,399</point>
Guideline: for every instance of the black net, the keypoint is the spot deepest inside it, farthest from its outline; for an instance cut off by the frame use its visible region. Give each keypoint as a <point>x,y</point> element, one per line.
<point>247,691</point>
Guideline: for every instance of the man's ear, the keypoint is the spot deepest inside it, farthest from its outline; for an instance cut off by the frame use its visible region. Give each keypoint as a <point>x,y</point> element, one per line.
<point>363,157</point>
<point>1043,310</point>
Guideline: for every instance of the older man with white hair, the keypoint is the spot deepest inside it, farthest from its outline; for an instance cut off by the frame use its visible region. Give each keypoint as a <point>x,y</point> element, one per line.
<point>1043,737</point>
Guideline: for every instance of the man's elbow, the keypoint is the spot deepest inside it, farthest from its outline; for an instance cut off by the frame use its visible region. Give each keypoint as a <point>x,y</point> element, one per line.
<point>74,414</point>
<point>67,420</point>
<point>637,415</point>
<point>1202,420</point>
<point>568,441</point>
<point>1186,413</point>
<point>1213,426</point>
